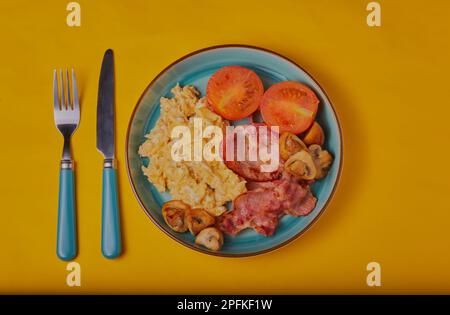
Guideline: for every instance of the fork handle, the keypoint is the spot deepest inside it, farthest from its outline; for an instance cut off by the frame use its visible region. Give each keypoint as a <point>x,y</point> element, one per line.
<point>66,247</point>
<point>111,239</point>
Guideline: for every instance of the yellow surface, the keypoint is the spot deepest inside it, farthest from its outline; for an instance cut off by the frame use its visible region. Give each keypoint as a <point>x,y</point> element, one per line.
<point>390,88</point>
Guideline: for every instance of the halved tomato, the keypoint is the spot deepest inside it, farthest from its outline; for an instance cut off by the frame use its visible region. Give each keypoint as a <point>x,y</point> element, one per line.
<point>234,92</point>
<point>290,105</point>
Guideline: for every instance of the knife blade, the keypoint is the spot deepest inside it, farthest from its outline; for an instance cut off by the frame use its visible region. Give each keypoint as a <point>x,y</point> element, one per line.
<point>111,239</point>
<point>105,107</point>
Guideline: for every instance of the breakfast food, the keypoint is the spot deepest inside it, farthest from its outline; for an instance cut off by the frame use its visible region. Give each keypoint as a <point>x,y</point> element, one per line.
<point>314,135</point>
<point>265,203</point>
<point>289,145</point>
<point>290,105</point>
<point>259,199</point>
<point>174,214</point>
<point>198,219</point>
<point>180,218</point>
<point>200,184</point>
<point>211,238</point>
<point>322,160</point>
<point>250,170</point>
<point>234,92</point>
<point>301,166</point>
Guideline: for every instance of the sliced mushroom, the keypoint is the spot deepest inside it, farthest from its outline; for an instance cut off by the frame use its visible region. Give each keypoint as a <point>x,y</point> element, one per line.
<point>290,144</point>
<point>174,213</point>
<point>301,166</point>
<point>322,160</point>
<point>211,238</point>
<point>198,219</point>
<point>314,135</point>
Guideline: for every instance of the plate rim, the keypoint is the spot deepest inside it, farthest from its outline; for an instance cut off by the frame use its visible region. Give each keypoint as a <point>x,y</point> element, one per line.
<point>204,250</point>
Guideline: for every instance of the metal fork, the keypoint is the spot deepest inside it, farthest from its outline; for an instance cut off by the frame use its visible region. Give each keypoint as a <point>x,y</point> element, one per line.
<point>66,109</point>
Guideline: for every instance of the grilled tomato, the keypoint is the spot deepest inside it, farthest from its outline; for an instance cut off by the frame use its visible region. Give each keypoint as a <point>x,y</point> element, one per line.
<point>290,105</point>
<point>234,92</point>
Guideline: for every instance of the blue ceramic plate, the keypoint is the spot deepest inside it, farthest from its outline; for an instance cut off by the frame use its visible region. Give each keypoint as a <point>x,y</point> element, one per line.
<point>195,69</point>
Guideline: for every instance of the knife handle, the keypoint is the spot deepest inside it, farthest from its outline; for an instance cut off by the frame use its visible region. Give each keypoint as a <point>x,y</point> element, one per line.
<point>66,244</point>
<point>111,240</point>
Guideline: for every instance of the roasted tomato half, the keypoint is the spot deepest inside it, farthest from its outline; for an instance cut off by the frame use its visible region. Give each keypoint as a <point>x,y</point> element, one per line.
<point>234,92</point>
<point>290,105</point>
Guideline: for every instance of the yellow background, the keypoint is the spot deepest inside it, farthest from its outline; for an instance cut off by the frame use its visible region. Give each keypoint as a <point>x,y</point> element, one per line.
<point>388,84</point>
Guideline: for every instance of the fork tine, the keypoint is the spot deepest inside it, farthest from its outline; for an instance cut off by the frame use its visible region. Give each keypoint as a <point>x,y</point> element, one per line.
<point>63,95</point>
<point>69,101</point>
<point>55,91</point>
<point>76,104</point>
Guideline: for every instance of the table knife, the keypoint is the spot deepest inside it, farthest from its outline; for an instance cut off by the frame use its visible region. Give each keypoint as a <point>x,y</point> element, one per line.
<point>111,238</point>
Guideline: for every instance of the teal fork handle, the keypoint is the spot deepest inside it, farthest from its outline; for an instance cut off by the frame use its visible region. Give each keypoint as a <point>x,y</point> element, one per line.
<point>66,244</point>
<point>111,240</point>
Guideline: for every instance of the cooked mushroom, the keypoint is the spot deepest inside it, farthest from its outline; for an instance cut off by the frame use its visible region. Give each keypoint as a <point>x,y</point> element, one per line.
<point>301,165</point>
<point>290,144</point>
<point>211,238</point>
<point>314,135</point>
<point>174,213</point>
<point>322,160</point>
<point>198,219</point>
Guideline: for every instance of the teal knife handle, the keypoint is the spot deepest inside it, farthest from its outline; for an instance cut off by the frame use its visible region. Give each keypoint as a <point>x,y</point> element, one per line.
<point>66,244</point>
<point>111,240</point>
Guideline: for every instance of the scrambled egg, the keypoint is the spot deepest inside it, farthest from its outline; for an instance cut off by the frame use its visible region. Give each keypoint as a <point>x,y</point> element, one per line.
<point>201,184</point>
